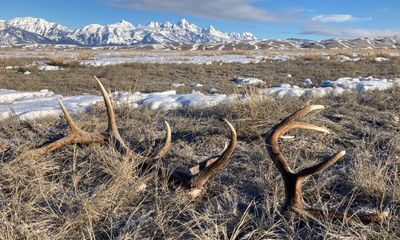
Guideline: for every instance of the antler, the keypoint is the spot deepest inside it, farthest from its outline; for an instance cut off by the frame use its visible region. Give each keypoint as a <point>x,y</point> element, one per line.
<point>112,135</point>
<point>293,181</point>
<point>196,177</point>
<point>76,135</point>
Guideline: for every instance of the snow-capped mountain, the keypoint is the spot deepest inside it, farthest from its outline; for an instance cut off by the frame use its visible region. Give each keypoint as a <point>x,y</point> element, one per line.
<point>40,26</point>
<point>121,33</point>
<point>12,35</point>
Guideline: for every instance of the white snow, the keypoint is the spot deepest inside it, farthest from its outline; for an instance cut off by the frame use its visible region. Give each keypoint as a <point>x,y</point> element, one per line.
<point>343,58</point>
<point>242,81</point>
<point>361,84</point>
<point>307,82</point>
<point>177,85</point>
<point>196,85</point>
<point>168,58</point>
<point>49,68</point>
<point>380,59</point>
<point>32,105</point>
<point>27,72</point>
<point>213,91</point>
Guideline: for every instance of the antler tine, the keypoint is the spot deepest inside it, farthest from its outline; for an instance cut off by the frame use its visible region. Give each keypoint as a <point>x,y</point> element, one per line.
<point>206,162</point>
<point>167,145</point>
<point>112,123</point>
<point>285,126</point>
<point>320,167</point>
<point>77,135</point>
<point>112,130</point>
<point>303,112</point>
<point>68,117</point>
<point>201,178</point>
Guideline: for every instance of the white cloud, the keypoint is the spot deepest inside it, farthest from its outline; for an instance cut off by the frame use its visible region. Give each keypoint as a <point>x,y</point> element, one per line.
<point>349,32</point>
<point>334,18</point>
<point>211,9</point>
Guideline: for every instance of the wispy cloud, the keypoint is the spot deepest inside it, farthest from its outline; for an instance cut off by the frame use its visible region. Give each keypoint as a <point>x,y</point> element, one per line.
<point>210,9</point>
<point>333,18</point>
<point>348,32</point>
<point>338,18</point>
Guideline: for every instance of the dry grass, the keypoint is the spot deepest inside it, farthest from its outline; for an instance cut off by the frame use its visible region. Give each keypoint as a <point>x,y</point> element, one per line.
<point>159,77</point>
<point>92,192</point>
<point>62,62</point>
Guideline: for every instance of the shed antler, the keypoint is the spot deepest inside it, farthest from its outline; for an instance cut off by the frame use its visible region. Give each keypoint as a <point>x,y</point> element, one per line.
<point>112,135</point>
<point>293,181</point>
<point>196,177</point>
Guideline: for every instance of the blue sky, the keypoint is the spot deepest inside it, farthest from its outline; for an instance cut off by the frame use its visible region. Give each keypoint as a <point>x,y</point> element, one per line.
<point>312,19</point>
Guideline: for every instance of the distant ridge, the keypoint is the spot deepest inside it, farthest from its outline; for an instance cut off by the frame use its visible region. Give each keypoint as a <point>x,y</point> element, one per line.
<point>180,36</point>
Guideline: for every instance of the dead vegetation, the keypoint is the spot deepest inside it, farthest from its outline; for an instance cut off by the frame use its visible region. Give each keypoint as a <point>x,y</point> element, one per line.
<point>160,77</point>
<point>94,192</point>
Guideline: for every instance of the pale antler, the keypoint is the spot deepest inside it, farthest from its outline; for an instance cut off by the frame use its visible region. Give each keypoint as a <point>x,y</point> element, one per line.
<point>112,135</point>
<point>196,177</point>
<point>293,181</point>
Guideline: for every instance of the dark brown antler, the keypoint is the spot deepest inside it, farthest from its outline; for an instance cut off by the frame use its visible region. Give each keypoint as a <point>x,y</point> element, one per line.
<point>196,177</point>
<point>112,135</point>
<point>294,181</point>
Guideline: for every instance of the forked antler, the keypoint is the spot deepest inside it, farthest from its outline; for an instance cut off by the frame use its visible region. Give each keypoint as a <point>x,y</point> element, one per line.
<point>293,181</point>
<point>196,177</point>
<point>112,135</point>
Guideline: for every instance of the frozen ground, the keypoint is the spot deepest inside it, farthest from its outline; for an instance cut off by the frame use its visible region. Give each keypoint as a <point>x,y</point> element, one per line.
<point>31,105</point>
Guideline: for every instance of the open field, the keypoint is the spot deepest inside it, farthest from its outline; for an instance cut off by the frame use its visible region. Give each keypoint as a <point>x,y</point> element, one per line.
<point>94,192</point>
<point>150,77</point>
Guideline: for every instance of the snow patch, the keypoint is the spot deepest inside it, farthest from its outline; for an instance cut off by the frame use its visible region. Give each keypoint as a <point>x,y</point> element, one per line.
<point>49,68</point>
<point>196,85</point>
<point>177,85</point>
<point>32,105</point>
<point>380,59</point>
<point>307,82</point>
<point>242,81</point>
<point>343,58</point>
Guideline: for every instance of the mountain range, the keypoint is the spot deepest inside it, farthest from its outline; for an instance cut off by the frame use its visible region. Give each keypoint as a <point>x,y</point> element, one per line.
<point>29,30</point>
<point>180,36</point>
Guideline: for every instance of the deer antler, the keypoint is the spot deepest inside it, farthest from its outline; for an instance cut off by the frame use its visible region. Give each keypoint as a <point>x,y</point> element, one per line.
<point>293,181</point>
<point>196,177</point>
<point>112,135</point>
<point>76,135</point>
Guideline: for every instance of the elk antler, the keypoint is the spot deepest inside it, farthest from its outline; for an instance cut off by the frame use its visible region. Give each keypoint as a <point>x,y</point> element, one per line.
<point>293,181</point>
<point>112,135</point>
<point>196,177</point>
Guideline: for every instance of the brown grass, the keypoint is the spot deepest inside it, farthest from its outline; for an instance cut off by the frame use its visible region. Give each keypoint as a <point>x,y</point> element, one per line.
<point>62,62</point>
<point>159,77</point>
<point>95,193</point>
